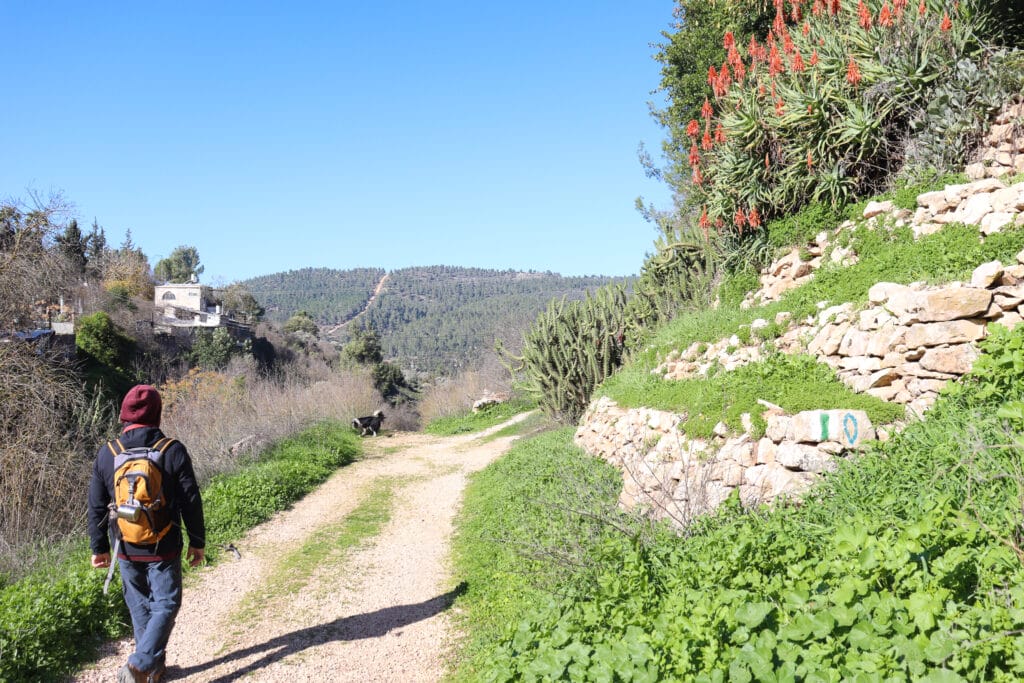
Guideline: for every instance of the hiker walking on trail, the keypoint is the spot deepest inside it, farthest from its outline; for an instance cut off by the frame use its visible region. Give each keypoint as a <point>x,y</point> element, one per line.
<point>143,487</point>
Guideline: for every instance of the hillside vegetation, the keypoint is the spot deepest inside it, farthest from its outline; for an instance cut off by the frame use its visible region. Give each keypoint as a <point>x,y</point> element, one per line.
<point>435,319</point>
<point>330,296</point>
<point>907,563</point>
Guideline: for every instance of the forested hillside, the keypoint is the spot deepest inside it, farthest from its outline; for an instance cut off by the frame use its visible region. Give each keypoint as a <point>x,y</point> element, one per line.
<point>433,319</point>
<point>441,318</point>
<point>330,296</point>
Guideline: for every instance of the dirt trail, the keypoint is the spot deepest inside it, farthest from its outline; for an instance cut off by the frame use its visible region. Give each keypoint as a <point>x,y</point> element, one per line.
<point>369,302</point>
<point>373,613</point>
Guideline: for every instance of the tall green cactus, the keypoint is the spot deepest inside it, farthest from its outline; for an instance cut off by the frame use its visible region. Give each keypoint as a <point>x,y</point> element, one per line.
<point>571,348</point>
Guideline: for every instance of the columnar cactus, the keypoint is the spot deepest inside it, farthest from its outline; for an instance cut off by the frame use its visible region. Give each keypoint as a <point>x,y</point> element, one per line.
<point>571,348</point>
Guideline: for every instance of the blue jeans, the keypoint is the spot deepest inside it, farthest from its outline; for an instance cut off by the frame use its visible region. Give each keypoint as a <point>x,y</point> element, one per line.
<point>152,591</point>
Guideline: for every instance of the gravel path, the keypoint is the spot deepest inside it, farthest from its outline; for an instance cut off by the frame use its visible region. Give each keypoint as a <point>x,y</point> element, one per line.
<point>373,613</point>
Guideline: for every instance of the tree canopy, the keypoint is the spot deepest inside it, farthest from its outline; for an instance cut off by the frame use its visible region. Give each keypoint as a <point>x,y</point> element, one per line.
<point>181,266</point>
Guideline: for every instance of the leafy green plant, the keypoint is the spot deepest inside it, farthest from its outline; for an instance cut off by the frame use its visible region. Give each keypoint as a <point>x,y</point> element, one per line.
<point>893,568</point>
<point>527,522</point>
<point>97,337</point>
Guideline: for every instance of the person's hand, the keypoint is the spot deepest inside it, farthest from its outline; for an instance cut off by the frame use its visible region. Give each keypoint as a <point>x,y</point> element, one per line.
<point>101,560</point>
<point>195,556</point>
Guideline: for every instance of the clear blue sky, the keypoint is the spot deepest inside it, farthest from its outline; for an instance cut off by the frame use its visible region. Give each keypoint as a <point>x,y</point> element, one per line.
<point>280,136</point>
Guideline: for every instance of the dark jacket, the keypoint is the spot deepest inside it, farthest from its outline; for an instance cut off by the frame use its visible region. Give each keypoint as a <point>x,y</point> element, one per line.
<point>180,488</point>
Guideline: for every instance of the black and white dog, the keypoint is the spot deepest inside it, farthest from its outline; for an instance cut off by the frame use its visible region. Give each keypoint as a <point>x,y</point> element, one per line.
<point>369,424</point>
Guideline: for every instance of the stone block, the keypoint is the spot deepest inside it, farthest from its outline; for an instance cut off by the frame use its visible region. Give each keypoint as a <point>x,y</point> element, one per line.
<point>948,332</point>
<point>1008,298</point>
<point>878,208</point>
<point>777,426</point>
<point>854,343</point>
<point>849,427</point>
<point>765,452</point>
<point>996,221</point>
<point>987,274</point>
<point>954,360</point>
<point>883,341</point>
<point>953,303</point>
<point>973,209</point>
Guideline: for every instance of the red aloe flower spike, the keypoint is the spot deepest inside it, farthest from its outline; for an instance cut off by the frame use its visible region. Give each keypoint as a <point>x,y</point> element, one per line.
<point>740,71</point>
<point>922,9</point>
<point>730,40</point>
<point>780,107</point>
<point>798,62</point>
<point>796,12</point>
<point>693,128</point>
<point>724,79</point>
<point>852,72</point>
<point>704,222</point>
<point>705,141</point>
<point>806,29</point>
<point>712,76</point>
<point>775,65</point>
<point>900,5</point>
<point>698,177</point>
<point>810,160</point>
<point>740,218</point>
<point>706,111</point>
<point>833,7</point>
<point>818,8</point>
<point>885,16</point>
<point>814,58</point>
<point>719,134</point>
<point>787,43</point>
<point>865,15</point>
<point>780,22</point>
<point>754,49</point>
<point>694,158</point>
<point>753,217</point>
<point>946,24</point>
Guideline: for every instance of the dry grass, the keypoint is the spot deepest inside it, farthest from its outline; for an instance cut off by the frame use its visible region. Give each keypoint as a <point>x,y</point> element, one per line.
<point>227,417</point>
<point>455,396</point>
<point>45,453</point>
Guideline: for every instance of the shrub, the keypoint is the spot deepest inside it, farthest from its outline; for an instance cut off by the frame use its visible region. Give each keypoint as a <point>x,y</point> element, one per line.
<point>818,111</point>
<point>97,337</point>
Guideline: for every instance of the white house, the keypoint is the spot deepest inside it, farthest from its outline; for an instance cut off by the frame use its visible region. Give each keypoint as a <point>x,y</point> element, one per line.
<point>187,305</point>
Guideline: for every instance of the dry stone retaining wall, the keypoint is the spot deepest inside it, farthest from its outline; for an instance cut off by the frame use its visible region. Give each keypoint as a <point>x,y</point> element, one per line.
<point>904,347</point>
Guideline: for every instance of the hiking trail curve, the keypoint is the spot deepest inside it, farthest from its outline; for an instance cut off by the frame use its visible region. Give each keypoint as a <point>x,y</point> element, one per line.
<point>372,611</point>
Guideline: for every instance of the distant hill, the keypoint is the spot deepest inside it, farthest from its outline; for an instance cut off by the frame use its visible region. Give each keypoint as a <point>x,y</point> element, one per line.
<point>330,296</point>
<point>434,319</point>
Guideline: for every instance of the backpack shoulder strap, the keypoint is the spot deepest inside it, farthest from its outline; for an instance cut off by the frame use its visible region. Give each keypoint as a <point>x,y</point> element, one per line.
<point>119,447</point>
<point>163,444</point>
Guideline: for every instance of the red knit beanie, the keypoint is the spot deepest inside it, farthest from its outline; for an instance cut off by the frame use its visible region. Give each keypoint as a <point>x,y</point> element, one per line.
<point>142,405</point>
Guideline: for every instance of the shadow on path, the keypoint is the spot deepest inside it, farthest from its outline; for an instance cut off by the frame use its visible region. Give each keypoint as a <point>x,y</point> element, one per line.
<point>371,625</point>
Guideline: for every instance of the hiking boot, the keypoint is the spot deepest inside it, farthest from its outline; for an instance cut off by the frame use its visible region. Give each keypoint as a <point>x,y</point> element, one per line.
<point>157,675</point>
<point>129,674</point>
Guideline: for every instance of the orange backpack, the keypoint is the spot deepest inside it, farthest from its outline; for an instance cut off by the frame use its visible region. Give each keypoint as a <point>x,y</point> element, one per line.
<point>143,516</point>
